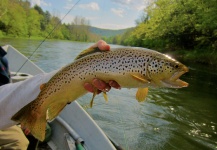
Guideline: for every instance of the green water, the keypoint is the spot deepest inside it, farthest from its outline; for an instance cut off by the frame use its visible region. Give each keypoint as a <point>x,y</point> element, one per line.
<point>169,119</point>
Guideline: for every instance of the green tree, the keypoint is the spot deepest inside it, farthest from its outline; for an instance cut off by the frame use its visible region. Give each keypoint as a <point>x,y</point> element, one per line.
<point>33,23</point>
<point>3,7</point>
<point>173,24</point>
<point>79,29</point>
<point>45,20</point>
<point>19,19</point>
<point>15,19</point>
<point>56,23</point>
<point>39,9</point>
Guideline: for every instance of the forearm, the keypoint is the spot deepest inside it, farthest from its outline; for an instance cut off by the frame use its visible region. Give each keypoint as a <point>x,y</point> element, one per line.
<point>14,96</point>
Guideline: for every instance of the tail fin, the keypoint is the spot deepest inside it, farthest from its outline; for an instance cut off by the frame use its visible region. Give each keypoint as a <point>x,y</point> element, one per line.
<point>33,120</point>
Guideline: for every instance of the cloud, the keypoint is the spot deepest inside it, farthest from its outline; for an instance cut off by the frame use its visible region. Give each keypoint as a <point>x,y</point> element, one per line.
<point>39,3</point>
<point>119,12</point>
<point>122,2</point>
<point>112,26</point>
<point>90,6</point>
<point>35,2</point>
<point>133,4</point>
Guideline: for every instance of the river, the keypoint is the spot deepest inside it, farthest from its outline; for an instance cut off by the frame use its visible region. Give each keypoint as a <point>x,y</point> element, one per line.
<point>169,119</point>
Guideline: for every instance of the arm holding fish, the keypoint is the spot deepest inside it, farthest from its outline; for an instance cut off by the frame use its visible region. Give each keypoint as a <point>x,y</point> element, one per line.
<point>16,95</point>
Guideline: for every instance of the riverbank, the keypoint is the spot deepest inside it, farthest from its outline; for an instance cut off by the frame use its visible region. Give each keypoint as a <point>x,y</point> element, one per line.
<point>204,57</point>
<point>24,38</point>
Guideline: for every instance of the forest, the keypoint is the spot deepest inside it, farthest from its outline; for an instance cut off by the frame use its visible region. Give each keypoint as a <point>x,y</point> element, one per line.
<point>19,19</point>
<point>184,28</point>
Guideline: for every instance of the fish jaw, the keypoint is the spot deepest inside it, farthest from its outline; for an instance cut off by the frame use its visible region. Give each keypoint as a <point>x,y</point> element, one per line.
<point>174,81</point>
<point>174,84</point>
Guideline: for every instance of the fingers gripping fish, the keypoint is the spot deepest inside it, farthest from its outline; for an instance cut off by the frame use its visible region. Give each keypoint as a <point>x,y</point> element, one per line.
<point>129,67</point>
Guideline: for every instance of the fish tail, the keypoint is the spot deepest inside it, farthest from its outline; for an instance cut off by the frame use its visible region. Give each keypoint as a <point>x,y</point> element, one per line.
<point>32,120</point>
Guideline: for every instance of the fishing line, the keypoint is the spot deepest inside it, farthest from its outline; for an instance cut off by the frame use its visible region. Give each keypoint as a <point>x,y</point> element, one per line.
<point>47,36</point>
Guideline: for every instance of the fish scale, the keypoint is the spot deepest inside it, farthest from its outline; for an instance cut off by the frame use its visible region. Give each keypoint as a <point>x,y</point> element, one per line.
<point>129,67</point>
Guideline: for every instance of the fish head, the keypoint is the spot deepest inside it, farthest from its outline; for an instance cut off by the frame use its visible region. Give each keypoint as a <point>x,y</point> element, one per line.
<point>165,71</point>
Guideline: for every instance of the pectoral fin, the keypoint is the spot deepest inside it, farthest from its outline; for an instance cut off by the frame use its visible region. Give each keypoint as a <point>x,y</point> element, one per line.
<point>142,79</point>
<point>141,94</point>
<point>94,94</point>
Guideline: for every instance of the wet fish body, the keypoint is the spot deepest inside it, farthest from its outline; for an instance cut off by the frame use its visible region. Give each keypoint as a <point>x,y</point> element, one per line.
<point>130,67</point>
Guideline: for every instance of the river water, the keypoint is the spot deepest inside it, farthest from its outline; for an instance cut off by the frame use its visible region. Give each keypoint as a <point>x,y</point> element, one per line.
<point>170,118</point>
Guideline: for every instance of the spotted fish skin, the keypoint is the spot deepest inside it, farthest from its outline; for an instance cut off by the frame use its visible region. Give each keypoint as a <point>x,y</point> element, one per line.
<point>129,67</point>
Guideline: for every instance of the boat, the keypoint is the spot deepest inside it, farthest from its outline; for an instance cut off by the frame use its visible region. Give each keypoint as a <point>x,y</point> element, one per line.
<point>73,125</point>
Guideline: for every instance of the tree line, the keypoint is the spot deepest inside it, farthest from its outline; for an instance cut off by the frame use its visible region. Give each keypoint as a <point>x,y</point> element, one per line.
<point>188,27</point>
<point>176,25</point>
<point>19,19</point>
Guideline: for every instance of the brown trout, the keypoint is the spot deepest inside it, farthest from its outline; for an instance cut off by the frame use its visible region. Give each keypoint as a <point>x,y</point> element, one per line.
<point>130,67</point>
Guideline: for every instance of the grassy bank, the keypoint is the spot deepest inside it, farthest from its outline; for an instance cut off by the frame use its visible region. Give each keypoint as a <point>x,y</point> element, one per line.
<point>16,37</point>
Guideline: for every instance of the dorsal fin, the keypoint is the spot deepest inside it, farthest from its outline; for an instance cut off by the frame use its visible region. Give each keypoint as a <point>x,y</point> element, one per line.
<point>105,96</point>
<point>94,94</point>
<point>88,52</point>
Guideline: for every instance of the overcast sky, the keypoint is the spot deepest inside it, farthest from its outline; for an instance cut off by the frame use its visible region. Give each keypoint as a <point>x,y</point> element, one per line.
<point>110,14</point>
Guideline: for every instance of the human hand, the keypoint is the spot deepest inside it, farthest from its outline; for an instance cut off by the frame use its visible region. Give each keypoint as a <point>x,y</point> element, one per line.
<point>102,45</point>
<point>101,86</point>
<point>97,83</point>
<point>26,131</point>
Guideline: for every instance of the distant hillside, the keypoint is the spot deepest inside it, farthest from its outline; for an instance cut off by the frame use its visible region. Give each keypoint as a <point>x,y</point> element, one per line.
<point>107,32</point>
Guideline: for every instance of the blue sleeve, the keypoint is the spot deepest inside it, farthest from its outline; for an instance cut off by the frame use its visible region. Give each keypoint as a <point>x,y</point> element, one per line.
<point>5,62</point>
<point>2,52</point>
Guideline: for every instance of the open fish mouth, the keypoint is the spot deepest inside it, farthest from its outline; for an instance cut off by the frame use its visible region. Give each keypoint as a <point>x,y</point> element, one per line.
<point>174,81</point>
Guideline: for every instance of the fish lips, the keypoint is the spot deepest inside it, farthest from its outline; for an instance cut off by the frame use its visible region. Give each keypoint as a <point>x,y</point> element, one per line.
<point>174,81</point>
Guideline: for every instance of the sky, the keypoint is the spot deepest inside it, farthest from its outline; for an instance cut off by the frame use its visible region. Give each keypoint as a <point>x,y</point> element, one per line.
<point>106,14</point>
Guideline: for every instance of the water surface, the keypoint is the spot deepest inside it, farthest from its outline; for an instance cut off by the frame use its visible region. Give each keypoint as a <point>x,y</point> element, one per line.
<point>169,119</point>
